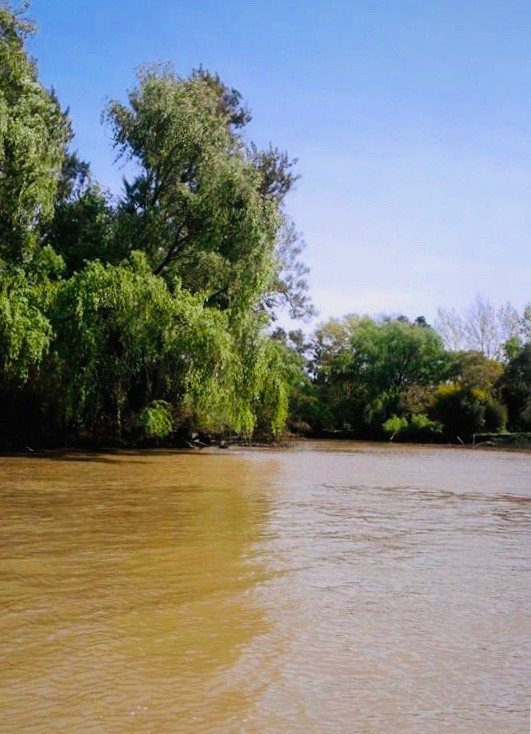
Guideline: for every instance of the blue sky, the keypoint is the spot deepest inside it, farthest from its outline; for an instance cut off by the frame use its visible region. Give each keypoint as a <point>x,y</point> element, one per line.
<point>411,120</point>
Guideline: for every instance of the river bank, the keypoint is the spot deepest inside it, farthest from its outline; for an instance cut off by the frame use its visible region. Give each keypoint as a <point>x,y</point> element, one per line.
<point>505,442</point>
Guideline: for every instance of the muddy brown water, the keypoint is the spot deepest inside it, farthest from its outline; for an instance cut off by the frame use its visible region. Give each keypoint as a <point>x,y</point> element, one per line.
<point>328,588</point>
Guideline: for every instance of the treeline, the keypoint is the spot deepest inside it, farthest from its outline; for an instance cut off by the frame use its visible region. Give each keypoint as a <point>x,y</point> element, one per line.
<point>142,316</point>
<point>149,316</point>
<point>395,379</point>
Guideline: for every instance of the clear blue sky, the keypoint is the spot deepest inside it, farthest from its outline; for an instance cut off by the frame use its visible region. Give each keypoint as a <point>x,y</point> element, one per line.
<point>411,120</point>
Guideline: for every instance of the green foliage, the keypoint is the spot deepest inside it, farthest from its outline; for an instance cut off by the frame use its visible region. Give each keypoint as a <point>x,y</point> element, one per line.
<point>155,419</point>
<point>123,339</point>
<point>422,428</point>
<point>33,133</point>
<point>395,354</point>
<point>418,428</point>
<point>515,387</point>
<point>151,315</point>
<point>394,377</point>
<point>25,332</point>
<point>464,411</point>
<point>82,229</point>
<point>474,370</point>
<point>512,348</point>
<point>279,371</point>
<point>195,208</point>
<point>130,352</point>
<point>304,408</point>
<point>469,402</point>
<point>394,425</point>
<point>204,205</point>
<point>366,367</point>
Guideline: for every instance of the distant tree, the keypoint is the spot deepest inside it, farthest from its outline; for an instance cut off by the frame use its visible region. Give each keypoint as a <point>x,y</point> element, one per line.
<point>364,368</point>
<point>451,326</point>
<point>331,342</point>
<point>464,411</point>
<point>515,386</point>
<point>392,357</point>
<point>468,401</point>
<point>474,370</point>
<point>481,328</point>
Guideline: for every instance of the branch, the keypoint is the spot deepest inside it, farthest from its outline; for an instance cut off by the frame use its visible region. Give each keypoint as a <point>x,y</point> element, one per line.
<point>178,243</point>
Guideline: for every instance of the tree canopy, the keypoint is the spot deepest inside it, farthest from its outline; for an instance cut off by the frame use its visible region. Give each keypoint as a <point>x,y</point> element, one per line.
<point>33,135</point>
<point>151,311</point>
<point>150,314</point>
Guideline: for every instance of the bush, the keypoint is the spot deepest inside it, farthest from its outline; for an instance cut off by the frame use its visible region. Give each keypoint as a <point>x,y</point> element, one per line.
<point>422,428</point>
<point>394,425</point>
<point>418,428</point>
<point>464,411</point>
<point>155,419</point>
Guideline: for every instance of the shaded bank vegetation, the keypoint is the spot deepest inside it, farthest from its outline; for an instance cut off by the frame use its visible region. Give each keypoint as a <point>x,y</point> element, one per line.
<point>150,315</point>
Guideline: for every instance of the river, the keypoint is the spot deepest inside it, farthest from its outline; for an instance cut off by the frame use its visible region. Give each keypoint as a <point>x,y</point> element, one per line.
<point>330,588</point>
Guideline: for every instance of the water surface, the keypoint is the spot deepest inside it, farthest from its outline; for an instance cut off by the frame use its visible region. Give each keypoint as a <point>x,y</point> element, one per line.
<point>329,588</point>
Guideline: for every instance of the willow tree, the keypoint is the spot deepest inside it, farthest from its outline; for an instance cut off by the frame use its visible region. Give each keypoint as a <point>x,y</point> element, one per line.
<point>205,205</point>
<point>206,208</point>
<point>127,350</point>
<point>33,136</point>
<point>25,331</point>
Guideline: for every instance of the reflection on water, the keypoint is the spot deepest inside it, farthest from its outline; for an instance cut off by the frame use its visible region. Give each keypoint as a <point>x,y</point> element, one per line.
<point>333,587</point>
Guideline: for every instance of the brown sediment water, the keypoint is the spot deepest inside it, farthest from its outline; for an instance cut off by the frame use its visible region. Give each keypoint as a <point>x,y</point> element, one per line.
<point>327,588</point>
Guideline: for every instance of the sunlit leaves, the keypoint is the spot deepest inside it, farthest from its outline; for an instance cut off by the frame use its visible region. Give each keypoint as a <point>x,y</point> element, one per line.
<point>204,204</point>
<point>33,133</point>
<point>132,319</point>
<point>25,332</point>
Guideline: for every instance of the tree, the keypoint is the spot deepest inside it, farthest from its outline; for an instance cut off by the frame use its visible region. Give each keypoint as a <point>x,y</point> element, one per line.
<point>33,135</point>
<point>365,368</point>
<point>515,386</point>
<point>390,358</point>
<point>474,370</point>
<point>482,328</point>
<point>331,342</point>
<point>83,227</point>
<point>464,411</point>
<point>152,314</point>
<point>25,332</point>
<point>204,205</point>
<point>468,401</point>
